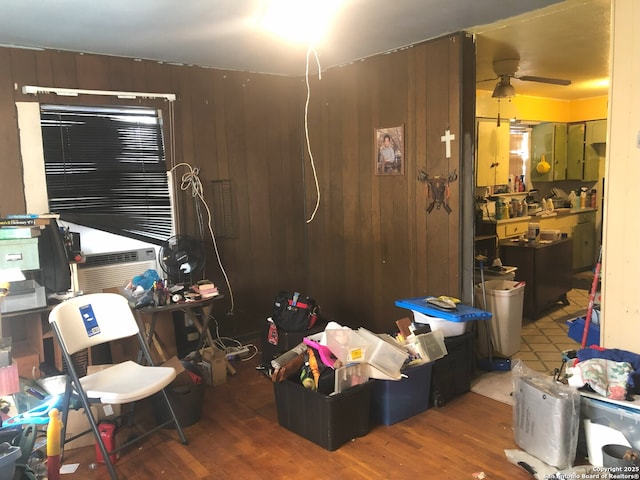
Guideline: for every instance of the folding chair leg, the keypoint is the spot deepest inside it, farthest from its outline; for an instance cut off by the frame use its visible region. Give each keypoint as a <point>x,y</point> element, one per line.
<point>183,438</point>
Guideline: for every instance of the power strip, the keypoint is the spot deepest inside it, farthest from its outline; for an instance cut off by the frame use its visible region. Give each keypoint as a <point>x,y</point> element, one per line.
<point>233,352</point>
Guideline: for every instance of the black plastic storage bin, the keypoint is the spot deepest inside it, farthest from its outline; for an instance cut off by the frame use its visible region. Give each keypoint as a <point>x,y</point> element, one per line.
<point>395,400</point>
<point>186,397</point>
<point>328,421</point>
<point>451,375</point>
<point>286,340</point>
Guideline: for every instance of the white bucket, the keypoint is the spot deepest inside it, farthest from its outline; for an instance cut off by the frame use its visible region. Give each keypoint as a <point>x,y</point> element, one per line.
<point>448,328</point>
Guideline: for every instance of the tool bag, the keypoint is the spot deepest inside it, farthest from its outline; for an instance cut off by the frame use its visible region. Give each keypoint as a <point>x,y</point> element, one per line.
<point>293,312</point>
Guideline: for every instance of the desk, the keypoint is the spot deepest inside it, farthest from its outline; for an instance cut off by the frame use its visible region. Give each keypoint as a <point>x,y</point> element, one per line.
<point>198,311</point>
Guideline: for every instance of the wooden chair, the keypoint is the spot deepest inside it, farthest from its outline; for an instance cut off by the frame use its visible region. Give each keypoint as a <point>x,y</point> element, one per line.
<point>85,321</point>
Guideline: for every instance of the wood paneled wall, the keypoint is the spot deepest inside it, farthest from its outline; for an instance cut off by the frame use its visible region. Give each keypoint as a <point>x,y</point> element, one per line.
<point>371,240</point>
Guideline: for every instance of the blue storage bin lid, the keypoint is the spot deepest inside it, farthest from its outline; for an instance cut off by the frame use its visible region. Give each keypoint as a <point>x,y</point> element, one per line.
<point>463,313</point>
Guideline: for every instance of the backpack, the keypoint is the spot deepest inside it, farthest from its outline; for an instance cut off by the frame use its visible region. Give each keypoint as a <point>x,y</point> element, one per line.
<point>293,312</point>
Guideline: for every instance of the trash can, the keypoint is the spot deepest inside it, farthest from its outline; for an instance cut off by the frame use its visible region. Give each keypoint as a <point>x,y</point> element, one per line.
<point>505,301</point>
<point>186,397</point>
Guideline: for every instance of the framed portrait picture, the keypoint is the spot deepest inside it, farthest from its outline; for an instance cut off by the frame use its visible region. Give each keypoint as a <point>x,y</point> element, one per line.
<point>389,150</point>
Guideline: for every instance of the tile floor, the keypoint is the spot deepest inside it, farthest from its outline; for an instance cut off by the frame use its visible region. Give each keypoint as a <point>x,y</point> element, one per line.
<point>544,340</point>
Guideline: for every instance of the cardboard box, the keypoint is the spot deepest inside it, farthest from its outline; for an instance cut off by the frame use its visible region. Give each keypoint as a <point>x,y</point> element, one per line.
<point>77,422</point>
<point>28,363</point>
<point>215,366</point>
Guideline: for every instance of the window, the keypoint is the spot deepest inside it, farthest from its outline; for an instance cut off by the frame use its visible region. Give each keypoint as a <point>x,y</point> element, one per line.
<point>105,168</point>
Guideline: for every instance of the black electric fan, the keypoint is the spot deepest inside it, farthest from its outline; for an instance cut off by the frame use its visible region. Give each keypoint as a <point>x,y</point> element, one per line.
<point>181,256</point>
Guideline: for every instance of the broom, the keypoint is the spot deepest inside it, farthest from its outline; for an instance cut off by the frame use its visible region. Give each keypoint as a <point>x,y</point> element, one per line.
<point>592,296</point>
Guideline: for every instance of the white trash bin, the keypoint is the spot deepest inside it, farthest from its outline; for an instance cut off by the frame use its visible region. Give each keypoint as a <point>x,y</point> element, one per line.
<point>505,301</point>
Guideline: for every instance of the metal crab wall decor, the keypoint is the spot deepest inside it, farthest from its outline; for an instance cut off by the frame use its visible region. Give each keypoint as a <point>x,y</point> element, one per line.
<point>437,189</point>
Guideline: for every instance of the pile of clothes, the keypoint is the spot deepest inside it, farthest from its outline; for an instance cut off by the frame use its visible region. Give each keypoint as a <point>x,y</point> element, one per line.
<point>612,373</point>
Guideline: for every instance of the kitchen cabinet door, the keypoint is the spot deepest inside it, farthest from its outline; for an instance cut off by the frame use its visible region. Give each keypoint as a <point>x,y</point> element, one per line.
<point>575,150</point>
<point>594,148</point>
<point>584,235</point>
<point>492,166</point>
<point>550,140</point>
<point>559,167</point>
<point>597,131</point>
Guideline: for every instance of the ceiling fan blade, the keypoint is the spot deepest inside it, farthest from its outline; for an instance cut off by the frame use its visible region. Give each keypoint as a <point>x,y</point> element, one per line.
<point>553,81</point>
<point>487,80</point>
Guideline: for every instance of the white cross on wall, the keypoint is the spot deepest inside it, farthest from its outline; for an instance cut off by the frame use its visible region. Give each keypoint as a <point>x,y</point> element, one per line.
<point>446,138</point>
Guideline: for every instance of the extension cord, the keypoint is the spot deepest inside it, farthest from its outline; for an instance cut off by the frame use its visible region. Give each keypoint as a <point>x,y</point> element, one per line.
<point>233,352</point>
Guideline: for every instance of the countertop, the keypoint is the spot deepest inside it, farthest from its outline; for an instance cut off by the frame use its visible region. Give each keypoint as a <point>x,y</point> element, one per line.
<point>556,213</point>
<point>518,242</point>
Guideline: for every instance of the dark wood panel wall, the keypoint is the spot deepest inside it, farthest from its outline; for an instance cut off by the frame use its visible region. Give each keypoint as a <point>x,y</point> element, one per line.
<point>371,240</point>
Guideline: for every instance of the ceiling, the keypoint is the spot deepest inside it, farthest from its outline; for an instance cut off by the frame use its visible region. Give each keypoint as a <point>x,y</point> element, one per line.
<point>566,39</point>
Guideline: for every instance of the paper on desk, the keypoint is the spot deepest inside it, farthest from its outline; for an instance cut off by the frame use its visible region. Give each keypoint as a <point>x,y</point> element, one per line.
<point>11,275</point>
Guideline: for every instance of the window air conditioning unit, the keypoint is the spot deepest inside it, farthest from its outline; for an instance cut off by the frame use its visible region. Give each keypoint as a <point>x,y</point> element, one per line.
<point>114,269</point>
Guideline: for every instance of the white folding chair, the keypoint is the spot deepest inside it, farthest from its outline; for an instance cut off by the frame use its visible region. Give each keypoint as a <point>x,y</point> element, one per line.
<point>85,321</point>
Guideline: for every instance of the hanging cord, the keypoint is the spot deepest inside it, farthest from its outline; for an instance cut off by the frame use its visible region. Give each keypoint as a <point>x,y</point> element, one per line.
<point>306,129</point>
<point>191,181</point>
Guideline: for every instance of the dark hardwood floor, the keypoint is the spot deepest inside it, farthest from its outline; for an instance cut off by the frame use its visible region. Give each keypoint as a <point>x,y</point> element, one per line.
<point>238,437</point>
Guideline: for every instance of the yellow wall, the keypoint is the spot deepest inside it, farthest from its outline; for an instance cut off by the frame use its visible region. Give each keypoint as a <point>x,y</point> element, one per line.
<point>541,109</point>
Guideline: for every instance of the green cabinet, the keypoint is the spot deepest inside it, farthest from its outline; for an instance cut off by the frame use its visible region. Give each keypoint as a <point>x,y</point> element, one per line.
<point>584,235</point>
<point>492,154</point>
<point>595,138</point>
<point>586,143</point>
<point>550,140</point>
<point>575,150</point>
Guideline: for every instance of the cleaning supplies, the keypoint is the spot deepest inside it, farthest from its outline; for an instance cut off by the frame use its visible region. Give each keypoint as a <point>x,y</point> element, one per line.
<point>549,205</point>
<point>54,430</point>
<point>498,208</point>
<point>533,233</point>
<point>572,198</point>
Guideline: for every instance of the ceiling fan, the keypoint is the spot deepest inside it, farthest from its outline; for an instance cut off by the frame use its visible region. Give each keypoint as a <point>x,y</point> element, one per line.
<point>506,70</point>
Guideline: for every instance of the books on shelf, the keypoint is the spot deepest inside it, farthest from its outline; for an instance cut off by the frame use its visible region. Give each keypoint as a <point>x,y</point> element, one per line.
<point>24,225</point>
<point>28,219</point>
<point>24,222</point>
<point>19,233</point>
<point>34,215</point>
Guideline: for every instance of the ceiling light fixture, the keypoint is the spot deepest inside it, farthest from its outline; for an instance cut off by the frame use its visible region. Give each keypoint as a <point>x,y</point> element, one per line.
<point>299,21</point>
<point>504,89</point>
